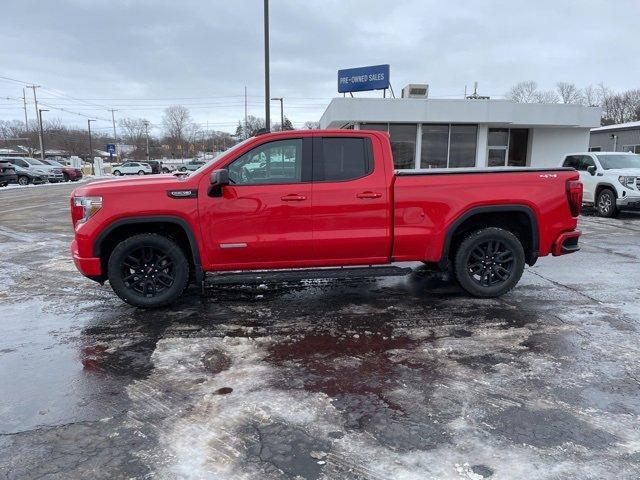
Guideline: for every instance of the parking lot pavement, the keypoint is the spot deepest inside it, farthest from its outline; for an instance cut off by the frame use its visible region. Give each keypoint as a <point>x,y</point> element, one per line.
<point>398,378</point>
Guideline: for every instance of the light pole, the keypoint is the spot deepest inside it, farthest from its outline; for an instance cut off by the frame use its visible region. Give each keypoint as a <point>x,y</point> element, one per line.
<point>40,110</point>
<point>281,111</point>
<point>35,102</point>
<point>146,132</point>
<point>115,137</point>
<point>267,107</point>
<point>93,167</point>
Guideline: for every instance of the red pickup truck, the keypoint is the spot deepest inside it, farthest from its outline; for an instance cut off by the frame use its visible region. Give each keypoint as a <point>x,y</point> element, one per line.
<point>320,198</point>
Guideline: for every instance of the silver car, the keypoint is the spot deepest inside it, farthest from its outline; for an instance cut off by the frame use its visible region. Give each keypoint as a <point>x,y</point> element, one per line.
<point>53,173</point>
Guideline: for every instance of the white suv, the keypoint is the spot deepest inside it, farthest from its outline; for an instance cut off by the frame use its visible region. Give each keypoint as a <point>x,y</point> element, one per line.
<point>132,168</point>
<point>611,180</point>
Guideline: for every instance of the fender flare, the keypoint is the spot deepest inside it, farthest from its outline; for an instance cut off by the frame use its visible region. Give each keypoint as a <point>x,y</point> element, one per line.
<point>195,252</point>
<point>607,185</point>
<point>535,238</point>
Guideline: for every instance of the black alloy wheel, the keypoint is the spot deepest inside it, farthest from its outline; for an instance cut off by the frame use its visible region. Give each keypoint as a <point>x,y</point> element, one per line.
<point>489,262</point>
<point>148,270</point>
<point>606,204</point>
<point>22,180</point>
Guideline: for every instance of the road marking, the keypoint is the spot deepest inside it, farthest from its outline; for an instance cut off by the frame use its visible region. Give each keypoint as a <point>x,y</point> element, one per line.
<point>11,210</point>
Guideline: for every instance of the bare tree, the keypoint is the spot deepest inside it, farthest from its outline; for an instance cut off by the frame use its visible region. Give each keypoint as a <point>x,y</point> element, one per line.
<point>523,92</point>
<point>311,125</point>
<point>252,127</point>
<point>569,93</point>
<point>177,124</point>
<point>546,96</point>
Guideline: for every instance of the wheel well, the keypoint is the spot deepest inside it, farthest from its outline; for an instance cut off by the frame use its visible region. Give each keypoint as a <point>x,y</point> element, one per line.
<point>518,222</point>
<point>171,230</point>
<point>601,187</point>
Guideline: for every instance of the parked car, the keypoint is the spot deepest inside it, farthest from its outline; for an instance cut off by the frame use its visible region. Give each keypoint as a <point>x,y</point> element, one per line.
<point>191,166</point>
<point>7,173</point>
<point>341,205</point>
<point>28,176</point>
<point>68,173</point>
<point>36,167</point>
<point>611,180</point>
<point>168,167</point>
<point>132,168</point>
<point>156,166</point>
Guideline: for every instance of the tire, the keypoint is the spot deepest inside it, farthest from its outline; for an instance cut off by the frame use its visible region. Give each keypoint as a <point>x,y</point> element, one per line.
<point>141,172</point>
<point>117,173</point>
<point>23,180</point>
<point>130,263</point>
<point>165,170</point>
<point>496,277</point>
<point>606,203</point>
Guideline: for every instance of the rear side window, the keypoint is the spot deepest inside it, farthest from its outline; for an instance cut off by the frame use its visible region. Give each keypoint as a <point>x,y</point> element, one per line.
<point>341,158</point>
<point>571,161</point>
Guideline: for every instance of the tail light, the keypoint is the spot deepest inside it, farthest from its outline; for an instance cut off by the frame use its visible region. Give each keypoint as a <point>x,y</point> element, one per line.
<point>83,208</point>
<point>574,196</point>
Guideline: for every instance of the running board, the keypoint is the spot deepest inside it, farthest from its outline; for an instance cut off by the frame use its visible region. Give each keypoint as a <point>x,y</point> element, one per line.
<point>262,276</point>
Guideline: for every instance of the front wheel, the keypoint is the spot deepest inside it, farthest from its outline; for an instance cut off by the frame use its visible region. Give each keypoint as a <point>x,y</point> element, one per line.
<point>606,203</point>
<point>148,270</point>
<point>489,262</point>
<point>22,180</point>
<point>117,173</point>
<point>141,172</point>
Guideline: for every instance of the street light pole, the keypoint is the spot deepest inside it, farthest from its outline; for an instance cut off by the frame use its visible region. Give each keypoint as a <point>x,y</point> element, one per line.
<point>146,132</point>
<point>267,106</point>
<point>40,110</point>
<point>35,101</point>
<point>93,167</point>
<point>281,111</point>
<point>115,136</point>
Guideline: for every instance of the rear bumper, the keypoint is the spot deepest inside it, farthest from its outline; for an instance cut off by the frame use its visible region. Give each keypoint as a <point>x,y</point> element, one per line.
<point>88,266</point>
<point>566,243</point>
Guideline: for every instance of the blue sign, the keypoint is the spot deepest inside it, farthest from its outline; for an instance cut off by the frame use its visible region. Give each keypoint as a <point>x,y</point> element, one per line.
<point>360,79</point>
<point>111,149</point>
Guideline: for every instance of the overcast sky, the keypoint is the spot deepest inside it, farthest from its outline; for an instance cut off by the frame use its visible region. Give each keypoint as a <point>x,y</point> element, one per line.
<point>140,56</point>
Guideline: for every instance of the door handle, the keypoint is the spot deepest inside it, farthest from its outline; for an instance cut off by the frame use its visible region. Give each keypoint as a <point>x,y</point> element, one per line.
<point>293,198</point>
<point>368,195</point>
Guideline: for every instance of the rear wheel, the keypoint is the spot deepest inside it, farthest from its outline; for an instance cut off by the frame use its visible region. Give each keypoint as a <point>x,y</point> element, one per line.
<point>606,203</point>
<point>489,262</point>
<point>22,180</point>
<point>66,177</point>
<point>141,172</point>
<point>148,270</point>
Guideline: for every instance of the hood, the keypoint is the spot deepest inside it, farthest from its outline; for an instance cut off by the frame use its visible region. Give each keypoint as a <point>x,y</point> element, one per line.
<point>627,172</point>
<point>135,184</point>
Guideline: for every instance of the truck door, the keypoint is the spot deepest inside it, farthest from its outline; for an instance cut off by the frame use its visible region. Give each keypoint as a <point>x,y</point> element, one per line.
<point>589,181</point>
<point>263,218</point>
<point>351,220</point>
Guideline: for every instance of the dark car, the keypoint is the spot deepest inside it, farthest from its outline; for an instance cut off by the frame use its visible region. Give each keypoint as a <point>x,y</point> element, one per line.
<point>26,177</point>
<point>7,174</point>
<point>69,173</point>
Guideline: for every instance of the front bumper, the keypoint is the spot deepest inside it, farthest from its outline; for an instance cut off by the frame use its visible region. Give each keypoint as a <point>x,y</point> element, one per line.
<point>57,177</point>
<point>88,266</point>
<point>629,202</point>
<point>566,243</point>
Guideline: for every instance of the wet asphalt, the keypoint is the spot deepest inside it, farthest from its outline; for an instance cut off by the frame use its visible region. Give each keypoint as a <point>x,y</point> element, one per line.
<point>395,378</point>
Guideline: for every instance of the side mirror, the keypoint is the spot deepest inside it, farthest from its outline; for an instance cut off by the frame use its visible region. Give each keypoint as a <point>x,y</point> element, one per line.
<point>218,179</point>
<point>591,169</point>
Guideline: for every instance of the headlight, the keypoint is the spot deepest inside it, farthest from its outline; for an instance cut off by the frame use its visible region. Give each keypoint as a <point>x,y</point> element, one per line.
<point>628,182</point>
<point>83,208</point>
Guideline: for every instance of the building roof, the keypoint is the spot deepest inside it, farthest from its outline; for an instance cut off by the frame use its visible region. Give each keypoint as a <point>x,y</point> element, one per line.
<point>617,126</point>
<point>342,111</point>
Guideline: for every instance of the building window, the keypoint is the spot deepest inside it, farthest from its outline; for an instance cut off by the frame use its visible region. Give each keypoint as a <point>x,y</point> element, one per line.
<point>627,148</point>
<point>435,146</point>
<point>507,147</point>
<point>403,144</point>
<point>380,127</point>
<point>451,146</point>
<point>595,149</point>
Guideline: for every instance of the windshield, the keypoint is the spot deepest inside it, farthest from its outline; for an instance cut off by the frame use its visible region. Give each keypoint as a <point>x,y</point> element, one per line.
<point>227,151</point>
<point>611,162</point>
<point>33,161</point>
<point>53,163</point>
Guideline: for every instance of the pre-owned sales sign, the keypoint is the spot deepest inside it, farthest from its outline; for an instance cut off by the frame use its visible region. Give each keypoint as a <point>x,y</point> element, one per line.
<point>360,79</point>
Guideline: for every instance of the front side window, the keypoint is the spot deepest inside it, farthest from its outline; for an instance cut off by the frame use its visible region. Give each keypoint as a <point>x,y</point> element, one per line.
<point>343,159</point>
<point>585,163</point>
<point>270,163</point>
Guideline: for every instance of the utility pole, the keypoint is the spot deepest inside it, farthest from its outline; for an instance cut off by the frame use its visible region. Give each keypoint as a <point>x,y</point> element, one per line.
<point>281,111</point>
<point>244,130</point>
<point>267,96</point>
<point>146,132</point>
<point>24,102</point>
<point>35,101</point>
<point>41,132</point>
<point>115,135</point>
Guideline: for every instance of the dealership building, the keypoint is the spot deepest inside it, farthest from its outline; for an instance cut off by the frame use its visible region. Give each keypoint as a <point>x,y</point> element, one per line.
<point>473,132</point>
<point>622,137</point>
